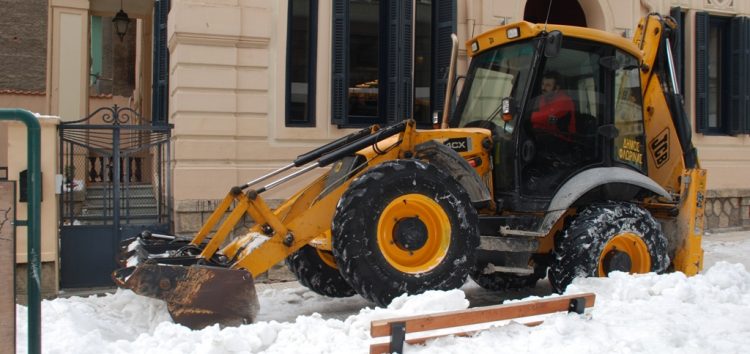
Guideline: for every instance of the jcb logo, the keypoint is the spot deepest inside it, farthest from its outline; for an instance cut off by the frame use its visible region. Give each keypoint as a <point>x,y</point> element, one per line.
<point>458,144</point>
<point>660,148</point>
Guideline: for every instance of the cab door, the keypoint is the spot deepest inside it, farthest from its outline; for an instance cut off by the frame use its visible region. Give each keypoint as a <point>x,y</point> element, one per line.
<point>559,135</point>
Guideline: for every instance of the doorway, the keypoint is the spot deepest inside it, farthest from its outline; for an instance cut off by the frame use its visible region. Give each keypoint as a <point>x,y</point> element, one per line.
<point>562,12</point>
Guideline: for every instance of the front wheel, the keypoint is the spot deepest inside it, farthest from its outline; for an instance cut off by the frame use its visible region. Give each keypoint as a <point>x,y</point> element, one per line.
<point>316,269</point>
<point>404,227</point>
<point>605,238</point>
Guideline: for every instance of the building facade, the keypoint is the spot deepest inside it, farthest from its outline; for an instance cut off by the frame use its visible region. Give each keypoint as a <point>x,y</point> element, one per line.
<point>255,83</point>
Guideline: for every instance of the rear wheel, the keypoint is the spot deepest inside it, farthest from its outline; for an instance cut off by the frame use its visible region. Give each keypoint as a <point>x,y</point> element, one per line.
<point>606,238</point>
<point>316,269</point>
<point>404,227</point>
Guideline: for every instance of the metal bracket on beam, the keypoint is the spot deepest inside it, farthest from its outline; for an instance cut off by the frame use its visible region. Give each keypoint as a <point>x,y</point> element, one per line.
<point>577,305</point>
<point>398,335</point>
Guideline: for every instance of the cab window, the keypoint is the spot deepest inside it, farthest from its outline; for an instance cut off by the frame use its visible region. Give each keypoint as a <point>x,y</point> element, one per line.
<point>629,144</point>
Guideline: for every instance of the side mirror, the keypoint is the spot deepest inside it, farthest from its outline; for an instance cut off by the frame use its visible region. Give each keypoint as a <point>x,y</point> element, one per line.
<point>507,109</point>
<point>552,44</point>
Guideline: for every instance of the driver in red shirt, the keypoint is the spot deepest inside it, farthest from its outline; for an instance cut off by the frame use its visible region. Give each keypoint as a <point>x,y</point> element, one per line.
<point>555,112</point>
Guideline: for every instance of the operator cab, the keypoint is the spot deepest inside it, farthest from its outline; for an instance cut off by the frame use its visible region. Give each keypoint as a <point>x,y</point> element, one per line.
<point>554,112</point>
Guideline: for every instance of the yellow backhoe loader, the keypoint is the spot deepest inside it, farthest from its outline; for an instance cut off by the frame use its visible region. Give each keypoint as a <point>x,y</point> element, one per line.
<point>568,154</point>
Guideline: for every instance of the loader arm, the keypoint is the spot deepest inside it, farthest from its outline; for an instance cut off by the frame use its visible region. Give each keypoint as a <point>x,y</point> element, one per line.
<point>303,217</point>
<point>307,215</point>
<point>204,282</point>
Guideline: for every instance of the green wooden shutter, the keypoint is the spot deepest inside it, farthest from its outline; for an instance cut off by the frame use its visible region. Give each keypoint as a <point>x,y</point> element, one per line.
<point>160,82</point>
<point>742,61</point>
<point>747,75</point>
<point>738,84</point>
<point>678,51</point>
<point>340,62</point>
<point>399,60</point>
<point>444,24</point>
<point>701,70</point>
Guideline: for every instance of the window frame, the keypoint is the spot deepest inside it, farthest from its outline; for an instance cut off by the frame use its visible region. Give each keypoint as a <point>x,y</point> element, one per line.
<point>396,86</point>
<point>309,121</point>
<point>734,76</point>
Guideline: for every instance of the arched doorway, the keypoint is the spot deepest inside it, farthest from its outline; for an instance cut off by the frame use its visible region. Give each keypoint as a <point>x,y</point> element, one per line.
<point>563,12</point>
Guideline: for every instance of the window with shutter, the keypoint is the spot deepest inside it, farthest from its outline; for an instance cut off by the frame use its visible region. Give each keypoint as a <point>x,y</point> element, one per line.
<point>722,75</point>
<point>160,76</point>
<point>422,62</point>
<point>339,61</point>
<point>737,76</point>
<point>445,24</point>
<point>399,61</point>
<point>701,71</point>
<point>678,46</point>
<point>386,57</point>
<point>300,63</point>
<point>746,45</point>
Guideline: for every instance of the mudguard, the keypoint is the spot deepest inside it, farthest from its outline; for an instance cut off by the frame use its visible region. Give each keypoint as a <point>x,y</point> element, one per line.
<point>587,180</point>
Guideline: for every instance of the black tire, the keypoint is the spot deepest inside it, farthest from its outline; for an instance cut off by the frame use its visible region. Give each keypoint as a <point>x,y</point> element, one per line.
<point>317,275</point>
<point>499,281</point>
<point>433,250</point>
<point>601,238</point>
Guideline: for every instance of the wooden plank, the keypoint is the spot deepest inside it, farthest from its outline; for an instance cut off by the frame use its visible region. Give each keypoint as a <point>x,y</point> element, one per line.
<point>476,315</point>
<point>7,268</point>
<point>379,348</point>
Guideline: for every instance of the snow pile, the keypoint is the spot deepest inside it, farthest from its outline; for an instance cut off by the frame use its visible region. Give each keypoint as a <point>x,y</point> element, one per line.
<point>667,313</point>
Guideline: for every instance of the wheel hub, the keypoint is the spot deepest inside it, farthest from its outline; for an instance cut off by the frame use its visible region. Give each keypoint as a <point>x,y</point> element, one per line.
<point>616,260</point>
<point>410,234</point>
<point>414,233</point>
<point>625,252</point>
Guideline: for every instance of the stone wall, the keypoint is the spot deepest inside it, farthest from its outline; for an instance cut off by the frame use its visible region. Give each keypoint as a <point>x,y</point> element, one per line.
<point>728,209</point>
<point>49,278</point>
<point>23,45</point>
<point>190,215</point>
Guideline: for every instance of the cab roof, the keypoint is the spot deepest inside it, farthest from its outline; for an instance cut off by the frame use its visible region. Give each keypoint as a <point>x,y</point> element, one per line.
<point>500,36</point>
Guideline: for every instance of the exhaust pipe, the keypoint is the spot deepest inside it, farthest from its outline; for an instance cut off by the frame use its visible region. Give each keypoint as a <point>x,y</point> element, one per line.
<point>449,86</point>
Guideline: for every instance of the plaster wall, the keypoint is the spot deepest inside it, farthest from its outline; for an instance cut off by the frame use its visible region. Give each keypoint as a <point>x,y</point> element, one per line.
<point>226,96</point>
<point>33,103</point>
<point>16,155</point>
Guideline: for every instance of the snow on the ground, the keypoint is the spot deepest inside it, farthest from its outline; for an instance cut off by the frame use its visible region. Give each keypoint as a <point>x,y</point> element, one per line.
<point>671,313</point>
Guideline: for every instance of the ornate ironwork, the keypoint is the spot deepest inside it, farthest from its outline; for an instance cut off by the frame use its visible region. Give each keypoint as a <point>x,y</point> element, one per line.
<point>114,115</point>
<point>115,167</point>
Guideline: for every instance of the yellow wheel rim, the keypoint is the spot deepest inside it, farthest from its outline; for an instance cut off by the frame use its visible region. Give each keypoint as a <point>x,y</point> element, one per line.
<point>629,244</point>
<point>327,258</point>
<point>432,247</point>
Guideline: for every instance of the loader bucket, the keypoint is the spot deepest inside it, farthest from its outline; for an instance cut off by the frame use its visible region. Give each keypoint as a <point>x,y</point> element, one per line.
<point>197,296</point>
<point>136,250</point>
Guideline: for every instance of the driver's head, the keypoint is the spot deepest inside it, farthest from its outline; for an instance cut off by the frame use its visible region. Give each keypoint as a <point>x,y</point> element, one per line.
<point>550,82</point>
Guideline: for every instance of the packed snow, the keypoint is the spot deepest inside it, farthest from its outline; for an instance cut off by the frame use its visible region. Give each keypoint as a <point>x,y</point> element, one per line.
<point>670,313</point>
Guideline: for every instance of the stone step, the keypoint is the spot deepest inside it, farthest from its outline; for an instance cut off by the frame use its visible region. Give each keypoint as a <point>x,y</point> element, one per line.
<point>99,213</point>
<point>107,193</point>
<point>131,202</point>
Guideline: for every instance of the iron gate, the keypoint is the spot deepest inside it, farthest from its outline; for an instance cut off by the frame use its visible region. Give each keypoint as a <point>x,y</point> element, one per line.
<point>115,182</point>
